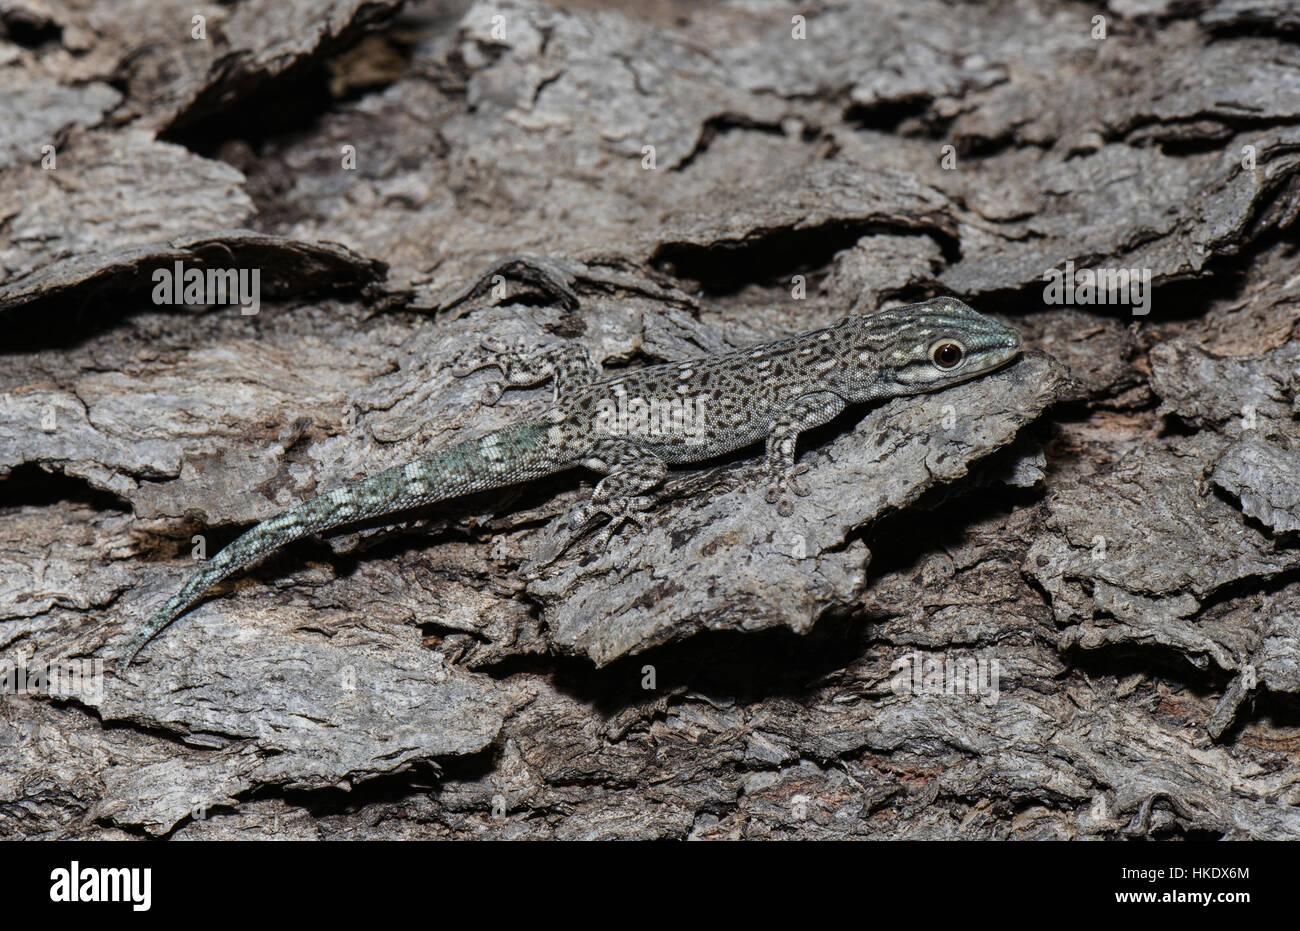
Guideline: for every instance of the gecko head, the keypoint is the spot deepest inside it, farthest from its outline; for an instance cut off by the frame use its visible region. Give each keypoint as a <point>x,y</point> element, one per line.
<point>931,345</point>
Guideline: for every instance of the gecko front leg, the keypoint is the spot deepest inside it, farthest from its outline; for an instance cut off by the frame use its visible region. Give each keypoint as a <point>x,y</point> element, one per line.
<point>569,364</point>
<point>804,413</point>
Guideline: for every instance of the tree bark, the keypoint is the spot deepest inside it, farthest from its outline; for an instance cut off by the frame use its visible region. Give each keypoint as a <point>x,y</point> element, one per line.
<point>1061,601</point>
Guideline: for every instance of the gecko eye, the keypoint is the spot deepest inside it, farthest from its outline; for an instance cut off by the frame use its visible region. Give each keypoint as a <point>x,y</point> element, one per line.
<point>947,354</point>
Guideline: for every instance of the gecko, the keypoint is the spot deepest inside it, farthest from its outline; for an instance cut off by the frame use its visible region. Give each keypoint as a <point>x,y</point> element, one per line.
<point>770,392</point>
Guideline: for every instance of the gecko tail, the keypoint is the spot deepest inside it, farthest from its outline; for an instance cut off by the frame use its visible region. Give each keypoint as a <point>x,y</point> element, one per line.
<point>504,457</point>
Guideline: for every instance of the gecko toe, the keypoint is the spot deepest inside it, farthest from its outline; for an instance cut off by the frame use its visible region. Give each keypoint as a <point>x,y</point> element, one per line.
<point>784,482</point>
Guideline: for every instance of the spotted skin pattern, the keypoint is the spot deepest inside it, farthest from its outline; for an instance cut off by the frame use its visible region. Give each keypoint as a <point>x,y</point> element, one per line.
<point>771,392</point>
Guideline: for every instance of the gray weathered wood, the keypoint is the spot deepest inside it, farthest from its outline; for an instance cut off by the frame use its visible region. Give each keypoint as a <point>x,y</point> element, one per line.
<point>1110,523</point>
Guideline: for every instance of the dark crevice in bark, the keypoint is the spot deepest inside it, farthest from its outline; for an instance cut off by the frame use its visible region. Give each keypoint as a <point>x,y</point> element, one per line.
<point>769,257</point>
<point>724,123</point>
<point>254,103</point>
<point>722,665</point>
<point>28,29</point>
<point>420,779</point>
<point>886,116</point>
<point>1172,299</point>
<point>1154,661</point>
<point>290,106</point>
<point>942,518</point>
<point>85,306</point>
<point>30,485</point>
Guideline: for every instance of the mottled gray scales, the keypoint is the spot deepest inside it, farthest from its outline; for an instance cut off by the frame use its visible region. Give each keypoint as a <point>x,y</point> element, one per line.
<point>632,427</point>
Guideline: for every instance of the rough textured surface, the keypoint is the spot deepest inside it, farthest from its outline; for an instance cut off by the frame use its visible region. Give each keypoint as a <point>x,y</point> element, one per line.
<point>1137,553</point>
<point>1104,534</point>
<point>1266,479</point>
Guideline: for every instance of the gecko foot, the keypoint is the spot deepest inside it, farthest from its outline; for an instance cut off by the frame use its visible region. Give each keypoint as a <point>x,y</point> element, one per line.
<point>629,510</point>
<point>485,355</point>
<point>780,483</point>
<point>493,353</point>
<point>567,532</point>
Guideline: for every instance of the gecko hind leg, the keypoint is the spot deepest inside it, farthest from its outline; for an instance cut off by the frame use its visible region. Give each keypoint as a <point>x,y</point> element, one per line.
<point>569,365</point>
<point>621,494</point>
<point>804,413</point>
